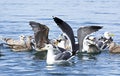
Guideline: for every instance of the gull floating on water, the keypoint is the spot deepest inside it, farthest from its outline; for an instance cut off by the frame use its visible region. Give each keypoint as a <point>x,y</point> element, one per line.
<point>82,32</point>
<point>107,42</point>
<point>53,58</point>
<point>19,45</point>
<point>68,32</point>
<point>41,32</point>
<point>104,40</point>
<point>63,42</point>
<point>89,45</point>
<point>114,47</point>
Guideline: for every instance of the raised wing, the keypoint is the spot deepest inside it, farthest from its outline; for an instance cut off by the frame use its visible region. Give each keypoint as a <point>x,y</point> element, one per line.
<point>41,32</point>
<point>82,32</point>
<point>67,30</point>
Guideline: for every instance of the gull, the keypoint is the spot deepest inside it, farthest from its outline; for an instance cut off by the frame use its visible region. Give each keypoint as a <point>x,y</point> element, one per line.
<point>114,47</point>
<point>53,58</point>
<point>19,45</point>
<point>41,32</point>
<point>67,30</point>
<point>89,45</point>
<point>104,40</point>
<point>82,32</point>
<point>63,42</point>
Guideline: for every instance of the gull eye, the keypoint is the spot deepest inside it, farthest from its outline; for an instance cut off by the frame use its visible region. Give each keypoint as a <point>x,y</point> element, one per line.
<point>47,46</point>
<point>54,46</point>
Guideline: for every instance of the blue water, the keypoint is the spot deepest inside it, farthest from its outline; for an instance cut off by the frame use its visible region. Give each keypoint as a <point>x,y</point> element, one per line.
<point>14,21</point>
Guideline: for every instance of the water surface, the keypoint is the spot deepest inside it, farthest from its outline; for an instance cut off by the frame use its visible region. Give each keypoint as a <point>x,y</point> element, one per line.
<point>14,21</point>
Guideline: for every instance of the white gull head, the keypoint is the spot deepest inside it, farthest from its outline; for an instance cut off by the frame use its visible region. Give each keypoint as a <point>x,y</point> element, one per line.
<point>88,40</point>
<point>107,35</point>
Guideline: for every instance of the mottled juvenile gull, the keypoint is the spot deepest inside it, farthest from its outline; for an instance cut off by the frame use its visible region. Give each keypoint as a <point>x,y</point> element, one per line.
<point>19,45</point>
<point>114,47</point>
<point>40,34</point>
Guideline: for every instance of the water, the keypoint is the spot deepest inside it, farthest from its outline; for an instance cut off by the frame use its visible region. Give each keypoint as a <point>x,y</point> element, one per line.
<point>14,21</point>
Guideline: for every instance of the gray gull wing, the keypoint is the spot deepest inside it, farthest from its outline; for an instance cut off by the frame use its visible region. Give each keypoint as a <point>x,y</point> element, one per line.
<point>82,32</point>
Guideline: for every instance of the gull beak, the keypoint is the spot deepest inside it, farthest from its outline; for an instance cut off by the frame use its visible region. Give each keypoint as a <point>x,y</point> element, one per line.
<point>111,34</point>
<point>55,42</point>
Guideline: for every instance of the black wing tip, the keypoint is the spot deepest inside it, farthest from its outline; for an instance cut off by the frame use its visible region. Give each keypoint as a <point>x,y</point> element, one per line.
<point>96,27</point>
<point>57,20</point>
<point>53,17</point>
<point>31,22</point>
<point>92,27</point>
